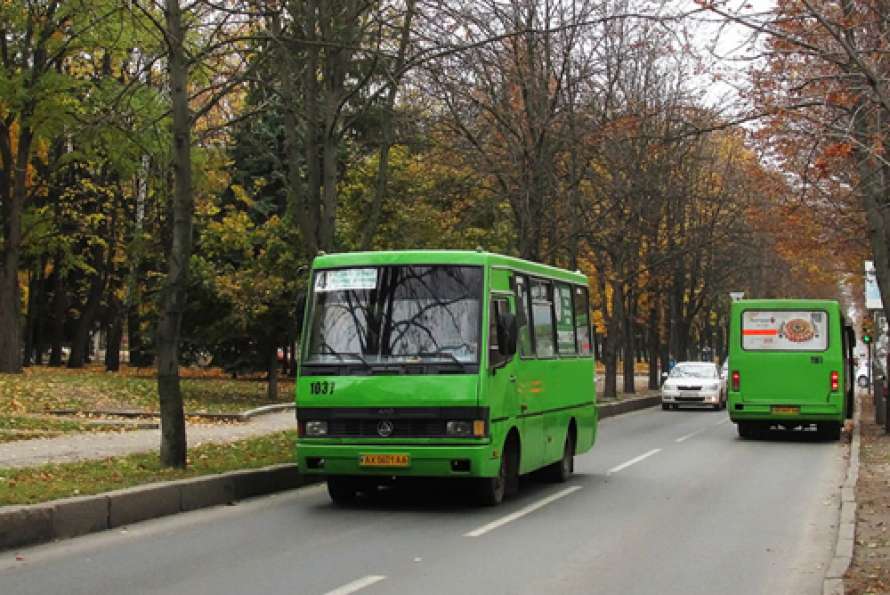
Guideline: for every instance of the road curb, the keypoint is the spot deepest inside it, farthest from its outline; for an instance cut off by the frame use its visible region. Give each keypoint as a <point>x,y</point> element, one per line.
<point>136,413</point>
<point>71,517</point>
<point>613,409</point>
<point>58,519</point>
<point>833,583</point>
<point>275,408</point>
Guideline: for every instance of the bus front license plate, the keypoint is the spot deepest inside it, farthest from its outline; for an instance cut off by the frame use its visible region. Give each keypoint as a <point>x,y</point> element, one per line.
<point>786,410</point>
<point>384,460</point>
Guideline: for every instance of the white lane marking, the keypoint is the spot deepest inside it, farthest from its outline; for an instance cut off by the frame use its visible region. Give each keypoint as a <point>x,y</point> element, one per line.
<point>690,435</point>
<point>634,460</point>
<point>720,423</point>
<point>521,512</point>
<point>357,585</point>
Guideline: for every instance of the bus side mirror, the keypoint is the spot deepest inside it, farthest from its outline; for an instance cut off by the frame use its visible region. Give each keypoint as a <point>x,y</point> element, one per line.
<point>507,333</point>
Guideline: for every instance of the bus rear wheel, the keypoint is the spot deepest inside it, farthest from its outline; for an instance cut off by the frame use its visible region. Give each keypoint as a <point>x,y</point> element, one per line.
<point>830,430</point>
<point>747,430</point>
<point>562,470</point>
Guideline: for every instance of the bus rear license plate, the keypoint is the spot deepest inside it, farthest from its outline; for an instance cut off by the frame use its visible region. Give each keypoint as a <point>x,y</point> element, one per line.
<point>384,460</point>
<point>786,410</point>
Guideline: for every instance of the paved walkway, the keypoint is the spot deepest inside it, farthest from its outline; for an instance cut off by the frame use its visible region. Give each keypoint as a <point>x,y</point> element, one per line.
<point>98,445</point>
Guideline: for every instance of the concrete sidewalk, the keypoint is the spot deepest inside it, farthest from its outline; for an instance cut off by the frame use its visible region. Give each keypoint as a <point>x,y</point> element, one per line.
<point>99,445</point>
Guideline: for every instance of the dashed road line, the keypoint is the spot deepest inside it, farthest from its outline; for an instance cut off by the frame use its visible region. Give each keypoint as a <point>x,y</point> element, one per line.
<point>357,585</point>
<point>521,512</point>
<point>634,461</point>
<point>690,435</point>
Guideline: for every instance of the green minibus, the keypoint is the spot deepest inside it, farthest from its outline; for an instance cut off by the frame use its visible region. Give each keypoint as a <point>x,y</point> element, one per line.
<point>437,363</point>
<point>790,365</point>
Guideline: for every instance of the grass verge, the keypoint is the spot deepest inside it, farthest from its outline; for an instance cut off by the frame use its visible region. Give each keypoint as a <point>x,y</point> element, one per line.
<point>40,389</point>
<point>31,485</point>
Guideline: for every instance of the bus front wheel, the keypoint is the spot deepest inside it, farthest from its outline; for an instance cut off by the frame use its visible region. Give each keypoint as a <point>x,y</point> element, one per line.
<point>491,490</point>
<point>342,490</point>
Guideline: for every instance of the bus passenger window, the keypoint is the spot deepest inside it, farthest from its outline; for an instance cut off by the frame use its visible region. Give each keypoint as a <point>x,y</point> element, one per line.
<point>542,318</point>
<point>582,320</point>
<point>565,320</point>
<point>522,317</point>
<point>495,357</point>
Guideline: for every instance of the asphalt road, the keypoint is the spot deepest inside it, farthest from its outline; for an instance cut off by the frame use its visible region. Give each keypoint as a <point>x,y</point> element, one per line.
<point>667,502</point>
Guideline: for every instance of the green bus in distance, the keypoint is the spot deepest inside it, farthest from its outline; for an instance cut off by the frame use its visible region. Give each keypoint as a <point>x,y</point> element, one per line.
<point>434,363</point>
<point>790,364</point>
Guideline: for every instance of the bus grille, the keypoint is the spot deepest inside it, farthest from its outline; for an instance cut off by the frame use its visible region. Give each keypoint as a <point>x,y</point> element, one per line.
<point>402,428</point>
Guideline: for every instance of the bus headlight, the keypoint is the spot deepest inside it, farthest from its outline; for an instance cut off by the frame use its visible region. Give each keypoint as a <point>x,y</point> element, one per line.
<point>316,428</point>
<point>459,428</point>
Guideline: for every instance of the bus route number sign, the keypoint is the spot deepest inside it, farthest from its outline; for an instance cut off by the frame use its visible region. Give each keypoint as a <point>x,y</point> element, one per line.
<point>321,388</point>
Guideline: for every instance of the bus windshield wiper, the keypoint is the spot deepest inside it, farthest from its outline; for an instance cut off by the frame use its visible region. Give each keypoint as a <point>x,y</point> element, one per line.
<point>446,354</point>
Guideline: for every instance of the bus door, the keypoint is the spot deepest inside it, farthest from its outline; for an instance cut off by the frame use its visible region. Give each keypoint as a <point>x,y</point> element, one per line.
<point>501,377</point>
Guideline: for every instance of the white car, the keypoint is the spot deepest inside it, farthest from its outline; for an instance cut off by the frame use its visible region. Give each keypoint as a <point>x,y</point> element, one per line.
<point>862,376</point>
<point>696,384</point>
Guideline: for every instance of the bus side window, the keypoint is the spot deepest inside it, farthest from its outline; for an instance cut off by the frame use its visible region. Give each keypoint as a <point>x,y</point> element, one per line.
<point>582,320</point>
<point>495,357</point>
<point>542,318</point>
<point>526,348</point>
<point>565,320</point>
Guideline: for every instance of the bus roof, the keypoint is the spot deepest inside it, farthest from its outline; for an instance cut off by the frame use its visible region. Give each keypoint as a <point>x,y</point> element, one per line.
<point>787,304</point>
<point>452,257</point>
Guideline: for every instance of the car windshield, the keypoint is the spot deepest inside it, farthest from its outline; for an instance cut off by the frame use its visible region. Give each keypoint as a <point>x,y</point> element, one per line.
<point>397,314</point>
<point>693,371</point>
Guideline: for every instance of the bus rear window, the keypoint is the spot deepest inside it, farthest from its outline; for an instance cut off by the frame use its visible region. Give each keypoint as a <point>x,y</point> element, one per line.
<point>784,330</point>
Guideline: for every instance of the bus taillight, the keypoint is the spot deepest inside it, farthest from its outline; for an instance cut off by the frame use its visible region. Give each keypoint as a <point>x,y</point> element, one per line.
<point>835,381</point>
<point>736,380</point>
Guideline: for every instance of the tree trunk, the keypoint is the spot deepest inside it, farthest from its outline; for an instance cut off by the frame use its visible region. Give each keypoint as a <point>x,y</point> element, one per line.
<point>613,341</point>
<point>173,302</point>
<point>12,207</point>
<point>272,370</point>
<point>31,317</point>
<point>59,310</point>
<point>115,336</point>
<point>386,126</point>
<point>630,347</point>
<point>653,345</point>
<point>330,157</point>
<point>80,343</point>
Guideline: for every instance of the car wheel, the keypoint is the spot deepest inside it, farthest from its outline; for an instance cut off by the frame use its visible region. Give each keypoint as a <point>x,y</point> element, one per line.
<point>665,406</point>
<point>746,430</point>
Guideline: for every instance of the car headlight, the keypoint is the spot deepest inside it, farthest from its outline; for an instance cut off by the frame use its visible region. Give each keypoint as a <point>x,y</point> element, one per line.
<point>316,428</point>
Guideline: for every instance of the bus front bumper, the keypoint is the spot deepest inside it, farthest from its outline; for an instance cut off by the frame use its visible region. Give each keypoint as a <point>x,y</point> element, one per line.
<point>477,460</point>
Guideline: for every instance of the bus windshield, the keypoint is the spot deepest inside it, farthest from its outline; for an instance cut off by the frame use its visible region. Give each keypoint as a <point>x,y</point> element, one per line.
<point>396,314</point>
